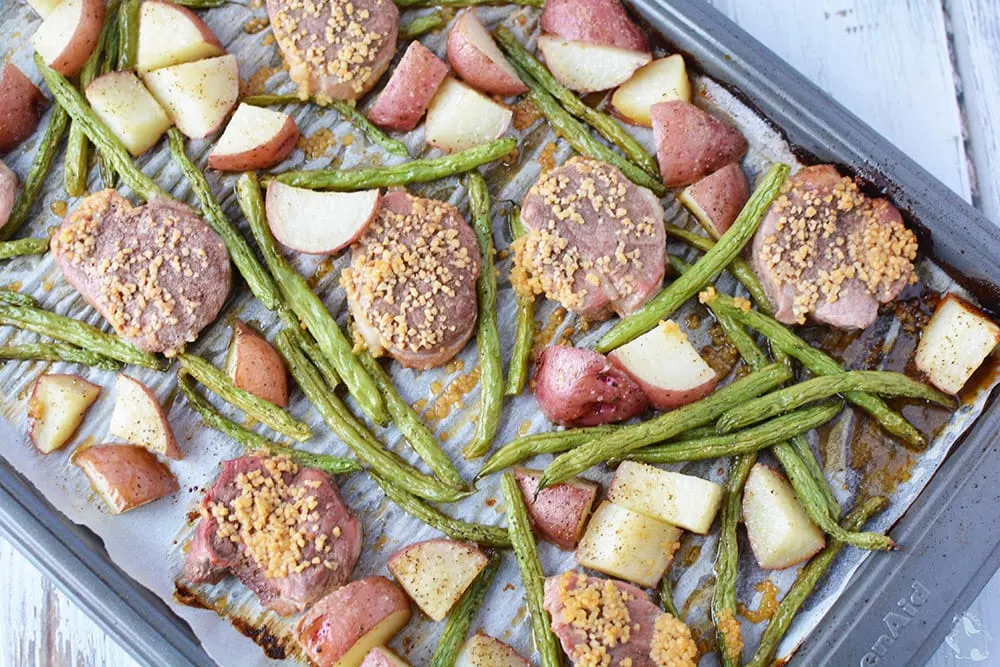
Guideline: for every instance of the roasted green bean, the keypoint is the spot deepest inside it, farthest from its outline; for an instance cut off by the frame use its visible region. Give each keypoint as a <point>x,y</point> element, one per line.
<point>552,442</point>
<point>727,627</point>
<point>58,352</point>
<point>487,336</point>
<point>9,297</point>
<point>461,617</point>
<point>455,4</point>
<point>524,334</point>
<point>422,25</point>
<point>666,592</point>
<point>128,34</point>
<point>28,246</point>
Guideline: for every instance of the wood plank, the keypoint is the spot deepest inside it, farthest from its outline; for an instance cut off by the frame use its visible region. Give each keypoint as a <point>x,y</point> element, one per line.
<point>976,42</point>
<point>887,62</point>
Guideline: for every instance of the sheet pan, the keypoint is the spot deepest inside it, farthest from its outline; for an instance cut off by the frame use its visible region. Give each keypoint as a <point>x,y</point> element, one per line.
<point>812,124</point>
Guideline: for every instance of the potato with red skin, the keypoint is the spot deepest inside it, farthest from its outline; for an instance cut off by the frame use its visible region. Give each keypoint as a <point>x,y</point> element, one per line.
<point>691,144</point>
<point>125,476</point>
<point>716,200</point>
<point>344,626</point>
<point>598,21</point>
<point>21,107</point>
<point>410,89</point>
<point>476,58</point>
<point>380,656</point>
<point>56,407</point>
<point>558,513</point>
<point>254,366</point>
<point>578,387</point>
<point>172,35</point>
<point>8,192</point>
<point>138,419</point>
<point>435,573</point>
<point>255,138</point>
<point>69,34</point>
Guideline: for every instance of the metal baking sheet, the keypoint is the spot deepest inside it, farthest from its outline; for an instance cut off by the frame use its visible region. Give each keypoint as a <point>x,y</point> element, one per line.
<point>810,122</point>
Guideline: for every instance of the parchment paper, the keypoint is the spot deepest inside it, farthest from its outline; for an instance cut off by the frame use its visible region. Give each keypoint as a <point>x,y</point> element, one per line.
<point>150,543</point>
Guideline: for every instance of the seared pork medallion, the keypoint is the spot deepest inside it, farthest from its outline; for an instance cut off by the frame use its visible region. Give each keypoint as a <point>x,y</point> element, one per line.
<point>608,622</point>
<point>827,251</point>
<point>335,49</point>
<point>280,529</point>
<point>594,240</point>
<point>157,273</point>
<point>411,285</point>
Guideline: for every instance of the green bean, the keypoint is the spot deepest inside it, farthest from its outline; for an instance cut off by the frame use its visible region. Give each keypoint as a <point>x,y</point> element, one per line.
<point>128,34</point>
<point>800,445</point>
<point>818,363</point>
<point>621,443</point>
<point>273,99</point>
<point>747,441</point>
<point>308,307</point>
<point>578,136</point>
<point>331,465</point>
<point>28,246</point>
<point>408,422</point>
<point>806,582</point>
<point>461,617</point>
<point>526,551</point>
<point>422,25</point>
<point>605,125</point>
<point>739,267</point>
<point>9,297</point>
<point>552,442</point>
<point>40,165</point>
<point>258,279</point>
<point>106,142</point>
<point>354,434</point>
<point>77,333</point>
<point>715,260</point>
<point>414,4</point>
<point>524,334</point>
<point>200,4</point>
<point>883,383</point>
<point>58,352</point>
<point>415,171</point>
<point>76,163</point>
<point>667,596</point>
<point>309,346</point>
<point>487,337</point>
<point>108,63</point>
<point>255,407</point>
<point>456,529</point>
<point>727,627</point>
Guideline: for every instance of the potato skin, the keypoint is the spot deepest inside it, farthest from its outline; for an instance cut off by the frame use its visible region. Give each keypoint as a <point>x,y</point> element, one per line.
<point>72,58</point>
<point>126,476</point>
<point>264,156</point>
<point>335,624</point>
<point>717,199</point>
<point>474,66</point>
<point>253,365</point>
<point>410,89</point>
<point>599,21</point>
<point>559,513</point>
<point>21,109</point>
<point>8,192</point>
<point>691,144</point>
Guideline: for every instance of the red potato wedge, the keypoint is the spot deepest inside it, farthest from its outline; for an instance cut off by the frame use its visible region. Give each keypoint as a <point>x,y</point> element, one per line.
<point>691,144</point>
<point>955,342</point>
<point>460,117</point>
<point>481,650</point>
<point>410,89</point>
<point>56,407</point>
<point>128,109</point>
<point>716,200</point>
<point>587,67</point>
<point>380,656</point>
<point>69,34</point>
<point>319,223</point>
<point>662,80</point>
<point>255,138</point>
<point>43,7</point>
<point>598,21</point>
<point>344,626</point>
<point>477,59</point>
<point>666,366</point>
<point>138,419</point>
<point>21,108</point>
<point>197,96</point>
<point>559,513</point>
<point>435,573</point>
<point>253,365</point>
<point>172,35</point>
<point>125,476</point>
<point>780,532</point>
<point>8,192</point>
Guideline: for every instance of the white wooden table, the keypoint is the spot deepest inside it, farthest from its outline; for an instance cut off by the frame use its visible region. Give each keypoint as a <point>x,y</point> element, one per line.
<point>925,73</point>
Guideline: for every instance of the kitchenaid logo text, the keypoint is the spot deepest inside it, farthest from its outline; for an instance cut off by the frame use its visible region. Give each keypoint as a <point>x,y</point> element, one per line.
<point>895,621</point>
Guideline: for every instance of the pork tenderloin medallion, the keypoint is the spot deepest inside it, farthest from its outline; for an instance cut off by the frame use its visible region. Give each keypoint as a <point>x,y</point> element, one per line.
<point>826,250</point>
<point>157,273</point>
<point>335,49</point>
<point>280,529</point>
<point>594,240</point>
<point>411,285</point>
<point>609,622</point>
